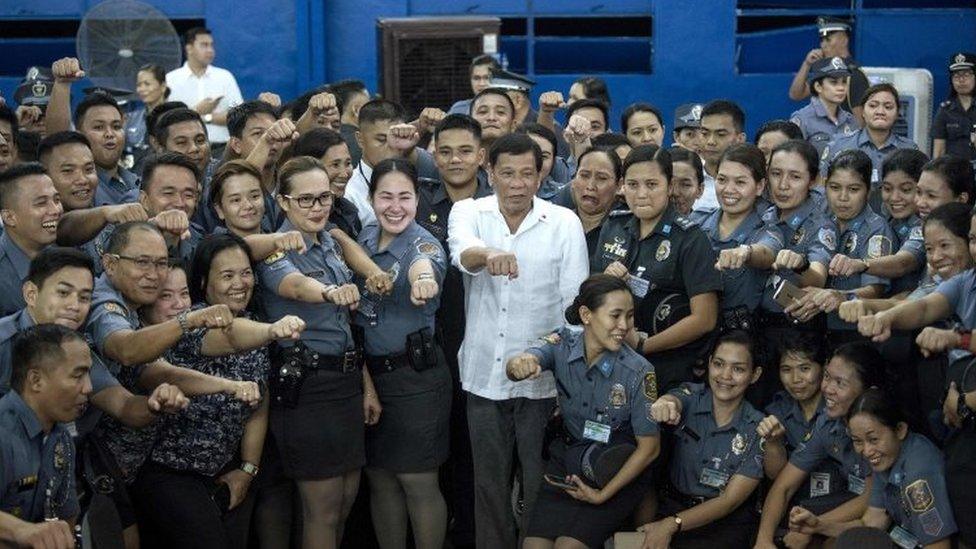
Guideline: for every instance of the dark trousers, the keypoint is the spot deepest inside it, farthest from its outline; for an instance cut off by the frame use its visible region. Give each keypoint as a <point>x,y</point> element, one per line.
<point>499,429</point>
<point>175,510</point>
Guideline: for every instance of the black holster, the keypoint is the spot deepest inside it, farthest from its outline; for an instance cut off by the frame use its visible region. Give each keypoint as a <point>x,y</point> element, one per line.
<point>287,375</point>
<point>421,350</point>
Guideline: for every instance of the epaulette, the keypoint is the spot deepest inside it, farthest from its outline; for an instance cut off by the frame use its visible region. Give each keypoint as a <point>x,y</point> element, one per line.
<point>684,222</point>
<point>620,213</point>
<point>429,181</point>
<point>944,104</point>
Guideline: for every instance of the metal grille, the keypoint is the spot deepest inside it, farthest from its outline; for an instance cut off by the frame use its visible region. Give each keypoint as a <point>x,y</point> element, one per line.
<point>433,72</point>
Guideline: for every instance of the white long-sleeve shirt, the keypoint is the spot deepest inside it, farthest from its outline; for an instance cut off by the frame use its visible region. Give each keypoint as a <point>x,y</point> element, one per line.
<point>505,317</point>
<point>215,82</point>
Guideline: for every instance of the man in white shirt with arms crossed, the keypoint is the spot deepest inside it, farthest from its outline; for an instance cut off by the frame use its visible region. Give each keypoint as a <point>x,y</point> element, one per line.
<point>524,260</point>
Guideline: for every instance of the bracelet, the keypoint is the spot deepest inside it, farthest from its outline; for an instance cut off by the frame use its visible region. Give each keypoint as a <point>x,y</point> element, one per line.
<point>424,276</point>
<point>181,319</point>
<point>749,254</point>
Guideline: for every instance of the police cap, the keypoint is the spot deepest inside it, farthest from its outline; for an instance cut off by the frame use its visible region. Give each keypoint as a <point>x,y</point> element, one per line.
<point>35,88</point>
<point>962,61</point>
<point>827,25</point>
<point>828,66</point>
<point>688,116</point>
<point>506,80</point>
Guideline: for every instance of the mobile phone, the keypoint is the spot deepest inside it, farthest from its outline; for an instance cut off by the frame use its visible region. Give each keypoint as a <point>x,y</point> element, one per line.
<point>559,482</point>
<point>787,293</point>
<point>220,494</point>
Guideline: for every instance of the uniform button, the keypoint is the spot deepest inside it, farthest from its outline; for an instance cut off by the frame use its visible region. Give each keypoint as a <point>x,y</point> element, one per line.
<point>586,404</point>
<point>501,335</point>
<point>498,360</point>
<point>504,310</point>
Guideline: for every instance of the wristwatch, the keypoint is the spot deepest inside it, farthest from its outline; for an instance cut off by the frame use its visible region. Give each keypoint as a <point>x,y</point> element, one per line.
<point>677,522</point>
<point>250,468</point>
<point>208,118</point>
<point>184,325</point>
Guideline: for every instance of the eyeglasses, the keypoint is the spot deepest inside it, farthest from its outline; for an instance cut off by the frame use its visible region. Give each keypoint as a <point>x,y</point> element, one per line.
<point>305,201</point>
<point>146,263</point>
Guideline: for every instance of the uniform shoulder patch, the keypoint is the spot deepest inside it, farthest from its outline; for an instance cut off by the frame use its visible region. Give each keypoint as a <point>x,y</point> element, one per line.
<point>826,153</point>
<point>429,249</point>
<point>916,233</point>
<point>683,222</point>
<point>878,246</point>
<point>919,496</point>
<point>114,308</point>
<point>650,386</point>
<point>271,259</point>
<point>553,338</point>
<point>945,104</point>
<point>932,523</point>
<point>620,213</point>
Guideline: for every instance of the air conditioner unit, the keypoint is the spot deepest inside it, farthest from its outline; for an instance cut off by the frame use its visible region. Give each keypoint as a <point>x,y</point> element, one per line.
<point>424,61</point>
<point>915,93</point>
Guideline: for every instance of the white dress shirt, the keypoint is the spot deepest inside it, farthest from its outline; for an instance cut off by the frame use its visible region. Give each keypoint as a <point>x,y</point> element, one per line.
<point>191,89</point>
<point>505,317</point>
<point>707,202</point>
<point>357,192</point>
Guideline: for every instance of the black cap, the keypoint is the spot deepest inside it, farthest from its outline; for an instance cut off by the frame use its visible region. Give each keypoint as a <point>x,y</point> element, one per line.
<point>35,88</point>
<point>597,463</point>
<point>827,25</point>
<point>688,116</point>
<point>828,66</point>
<point>506,80</point>
<point>962,61</point>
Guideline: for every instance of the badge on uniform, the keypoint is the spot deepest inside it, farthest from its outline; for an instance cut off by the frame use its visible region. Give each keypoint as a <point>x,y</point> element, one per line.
<point>650,386</point>
<point>826,153</point>
<point>596,431</point>
<point>850,244</point>
<point>60,457</point>
<point>827,238</point>
<point>919,496</point>
<point>274,257</point>
<point>663,251</point>
<point>114,308</point>
<point>807,435</point>
<point>903,538</point>
<point>931,522</point>
<point>798,236</point>
<point>878,245</point>
<point>618,395</point>
<point>638,286</point>
<point>855,484</point>
<point>394,271</point>
<point>429,249</point>
<point>819,484</point>
<point>615,248</point>
<point>916,233</point>
<point>738,444</point>
<point>552,338</point>
<point>433,217</point>
<point>714,478</point>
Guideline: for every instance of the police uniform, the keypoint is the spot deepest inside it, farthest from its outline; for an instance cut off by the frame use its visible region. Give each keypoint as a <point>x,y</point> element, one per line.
<point>14,265</point>
<point>345,215</point>
<point>960,447</point>
<point>953,123</point>
<point>860,140</point>
<point>867,236</point>
<point>668,267</point>
<point>798,432</point>
<point>960,292</point>
<point>829,451</point>
<point>331,385</point>
<point>705,459</point>
<point>602,407</point>
<point>908,238</point>
<point>549,188</point>
<point>408,369</point>
<point>859,82</point>
<point>111,191</point>
<point>913,494</point>
<point>37,479</point>
<point>813,120</point>
<point>743,287</point>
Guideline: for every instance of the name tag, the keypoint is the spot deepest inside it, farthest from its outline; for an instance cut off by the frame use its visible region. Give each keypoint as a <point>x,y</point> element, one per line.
<point>638,285</point>
<point>903,538</point>
<point>855,484</point>
<point>714,478</point>
<point>597,432</point>
<point>820,484</point>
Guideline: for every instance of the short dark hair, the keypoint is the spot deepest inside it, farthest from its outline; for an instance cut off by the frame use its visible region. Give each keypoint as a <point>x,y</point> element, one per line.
<point>381,109</point>
<point>593,294</point>
<point>680,154</point>
<point>172,117</point>
<point>227,170</point>
<point>738,337</point>
<point>515,144</point>
<point>957,174</point>
<point>749,156</point>
<point>35,344</point>
<point>490,91</point>
<point>299,105</point>
<point>190,36</point>
<point>55,140</point>
<point>483,59</point>
<point>867,361</point>
<point>590,104</point>
<point>54,258</point>
<point>458,121</point>
<point>293,167</point>
<point>724,106</point>
<point>153,116</point>
<point>159,73</point>
<point>650,153</point>
<point>27,143</point>
<point>635,108</point>
<point>10,117</point>
<point>199,273</point>
<point>610,139</point>
<point>787,128</point>
<point>238,116</point>
<point>120,237</point>
<point>532,128</point>
<point>10,177</point>
<point>92,100</point>
<point>879,405</point>
<point>618,167</point>
<point>316,142</point>
<point>910,161</point>
<point>809,345</point>
<point>854,160</point>
<point>805,150</point>
<point>344,90</point>
<point>882,87</point>
<point>167,158</point>
<point>954,216</point>
<point>392,165</point>
<point>594,88</point>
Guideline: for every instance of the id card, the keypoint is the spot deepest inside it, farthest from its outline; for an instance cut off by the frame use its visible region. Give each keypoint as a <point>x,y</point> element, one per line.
<point>597,432</point>
<point>819,484</point>
<point>714,478</point>
<point>903,538</point>
<point>855,484</point>
<point>638,285</point>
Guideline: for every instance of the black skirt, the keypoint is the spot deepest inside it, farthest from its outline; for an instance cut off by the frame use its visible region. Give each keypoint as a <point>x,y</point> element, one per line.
<point>323,435</point>
<point>412,434</point>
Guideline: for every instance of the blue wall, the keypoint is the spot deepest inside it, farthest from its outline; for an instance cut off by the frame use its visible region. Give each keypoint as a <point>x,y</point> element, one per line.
<point>287,46</point>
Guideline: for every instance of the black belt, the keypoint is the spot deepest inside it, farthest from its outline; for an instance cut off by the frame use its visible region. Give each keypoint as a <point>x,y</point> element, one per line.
<point>348,362</point>
<point>684,500</point>
<point>385,364</point>
<point>776,320</point>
